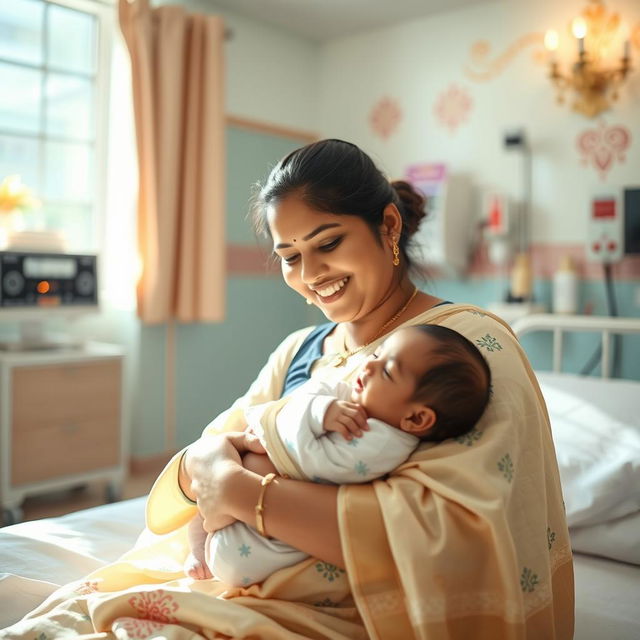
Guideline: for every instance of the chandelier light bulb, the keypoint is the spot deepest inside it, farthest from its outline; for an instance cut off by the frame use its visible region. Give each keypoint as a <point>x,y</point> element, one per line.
<point>579,28</point>
<point>625,35</point>
<point>591,77</point>
<point>551,40</point>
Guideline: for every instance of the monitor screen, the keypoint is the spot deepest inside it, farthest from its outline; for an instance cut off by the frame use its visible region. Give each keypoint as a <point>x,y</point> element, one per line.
<point>632,220</point>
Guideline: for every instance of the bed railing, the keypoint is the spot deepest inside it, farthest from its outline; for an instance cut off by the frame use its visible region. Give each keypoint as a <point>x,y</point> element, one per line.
<point>560,324</point>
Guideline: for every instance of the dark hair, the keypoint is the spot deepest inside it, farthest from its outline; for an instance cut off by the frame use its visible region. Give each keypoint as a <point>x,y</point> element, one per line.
<point>337,177</point>
<point>458,385</point>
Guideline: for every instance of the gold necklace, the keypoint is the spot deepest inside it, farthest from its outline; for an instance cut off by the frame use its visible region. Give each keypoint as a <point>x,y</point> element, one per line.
<point>342,358</point>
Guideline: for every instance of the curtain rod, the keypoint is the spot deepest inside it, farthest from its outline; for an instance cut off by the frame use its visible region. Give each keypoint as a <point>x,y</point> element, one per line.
<point>228,32</point>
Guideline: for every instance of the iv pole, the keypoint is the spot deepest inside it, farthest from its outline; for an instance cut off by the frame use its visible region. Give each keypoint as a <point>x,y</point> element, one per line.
<point>521,276</point>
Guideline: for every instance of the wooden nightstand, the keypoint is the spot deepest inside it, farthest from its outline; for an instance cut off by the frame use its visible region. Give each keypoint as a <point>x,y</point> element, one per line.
<point>61,422</point>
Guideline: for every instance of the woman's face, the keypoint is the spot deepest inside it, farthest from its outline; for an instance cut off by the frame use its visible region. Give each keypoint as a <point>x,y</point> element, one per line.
<point>333,260</point>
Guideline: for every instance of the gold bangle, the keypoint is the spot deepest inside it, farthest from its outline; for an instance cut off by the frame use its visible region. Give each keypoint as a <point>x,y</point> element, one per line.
<point>182,470</point>
<point>264,483</point>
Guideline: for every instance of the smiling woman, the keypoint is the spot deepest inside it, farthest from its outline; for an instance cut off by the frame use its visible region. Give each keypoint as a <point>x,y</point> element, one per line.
<point>465,539</point>
<point>348,265</point>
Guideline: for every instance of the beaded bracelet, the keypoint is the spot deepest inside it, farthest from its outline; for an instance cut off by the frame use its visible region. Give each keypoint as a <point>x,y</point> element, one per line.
<point>264,483</point>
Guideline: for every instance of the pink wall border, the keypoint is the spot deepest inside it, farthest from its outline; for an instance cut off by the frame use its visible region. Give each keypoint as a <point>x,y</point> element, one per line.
<point>254,261</point>
<point>247,260</point>
<point>546,258</point>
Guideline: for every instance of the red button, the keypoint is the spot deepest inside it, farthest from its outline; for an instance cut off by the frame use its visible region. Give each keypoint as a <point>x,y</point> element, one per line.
<point>612,246</point>
<point>596,247</point>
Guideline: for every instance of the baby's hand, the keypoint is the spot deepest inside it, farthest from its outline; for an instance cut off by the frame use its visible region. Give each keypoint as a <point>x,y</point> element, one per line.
<point>347,418</point>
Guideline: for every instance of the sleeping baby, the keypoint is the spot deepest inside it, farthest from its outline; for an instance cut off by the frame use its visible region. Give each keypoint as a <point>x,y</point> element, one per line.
<point>424,382</point>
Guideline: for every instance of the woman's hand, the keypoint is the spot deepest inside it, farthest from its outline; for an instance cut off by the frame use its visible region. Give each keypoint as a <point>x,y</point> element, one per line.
<point>258,463</point>
<point>210,464</point>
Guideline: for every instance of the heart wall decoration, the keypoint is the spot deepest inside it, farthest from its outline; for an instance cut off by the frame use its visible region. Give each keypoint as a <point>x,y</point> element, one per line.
<point>603,146</point>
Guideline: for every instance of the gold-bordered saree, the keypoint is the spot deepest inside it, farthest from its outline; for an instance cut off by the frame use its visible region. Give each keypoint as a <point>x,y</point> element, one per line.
<point>467,539</point>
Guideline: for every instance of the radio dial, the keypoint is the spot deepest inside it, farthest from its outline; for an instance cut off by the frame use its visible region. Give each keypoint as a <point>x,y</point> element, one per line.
<point>85,283</point>
<point>13,283</point>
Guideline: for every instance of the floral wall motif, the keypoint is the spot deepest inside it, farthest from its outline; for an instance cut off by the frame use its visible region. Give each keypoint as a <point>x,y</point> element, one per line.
<point>385,117</point>
<point>453,107</point>
<point>496,54</point>
<point>603,146</point>
<point>481,68</point>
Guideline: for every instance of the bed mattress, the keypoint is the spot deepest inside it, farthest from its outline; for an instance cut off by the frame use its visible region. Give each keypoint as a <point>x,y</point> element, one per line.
<point>36,557</point>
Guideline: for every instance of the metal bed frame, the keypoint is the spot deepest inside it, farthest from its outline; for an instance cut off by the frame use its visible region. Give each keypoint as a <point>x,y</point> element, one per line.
<point>560,324</point>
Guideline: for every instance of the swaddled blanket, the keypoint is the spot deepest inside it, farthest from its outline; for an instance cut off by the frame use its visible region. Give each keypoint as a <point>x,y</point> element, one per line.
<point>292,432</point>
<point>467,539</point>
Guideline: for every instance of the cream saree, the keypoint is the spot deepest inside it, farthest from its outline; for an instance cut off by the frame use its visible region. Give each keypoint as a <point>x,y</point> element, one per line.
<point>467,539</point>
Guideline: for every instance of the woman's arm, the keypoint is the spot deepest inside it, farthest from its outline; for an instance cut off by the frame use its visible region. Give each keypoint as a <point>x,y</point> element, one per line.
<point>302,514</point>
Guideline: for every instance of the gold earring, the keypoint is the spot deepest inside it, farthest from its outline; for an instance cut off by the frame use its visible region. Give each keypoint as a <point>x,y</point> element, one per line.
<point>396,253</point>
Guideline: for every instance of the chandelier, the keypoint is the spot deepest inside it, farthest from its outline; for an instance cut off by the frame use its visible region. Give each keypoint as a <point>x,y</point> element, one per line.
<point>593,78</point>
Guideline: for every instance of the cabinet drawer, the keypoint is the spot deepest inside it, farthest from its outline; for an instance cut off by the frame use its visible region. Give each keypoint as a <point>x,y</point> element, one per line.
<point>61,450</point>
<point>60,395</point>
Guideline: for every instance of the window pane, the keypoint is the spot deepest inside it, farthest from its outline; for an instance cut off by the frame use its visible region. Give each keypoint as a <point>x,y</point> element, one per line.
<point>68,172</point>
<point>69,106</point>
<point>76,221</point>
<point>20,107</point>
<point>77,53</point>
<point>20,155</point>
<point>21,30</point>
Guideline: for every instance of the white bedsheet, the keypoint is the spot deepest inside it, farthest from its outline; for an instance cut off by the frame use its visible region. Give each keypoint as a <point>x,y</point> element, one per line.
<point>596,430</point>
<point>36,557</point>
<point>616,397</point>
<point>607,599</point>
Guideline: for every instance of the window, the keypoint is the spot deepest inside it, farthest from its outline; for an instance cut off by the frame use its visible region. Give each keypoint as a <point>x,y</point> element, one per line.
<point>54,69</point>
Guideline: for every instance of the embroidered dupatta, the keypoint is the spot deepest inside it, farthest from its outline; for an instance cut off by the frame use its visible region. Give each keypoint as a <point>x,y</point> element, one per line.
<point>467,539</point>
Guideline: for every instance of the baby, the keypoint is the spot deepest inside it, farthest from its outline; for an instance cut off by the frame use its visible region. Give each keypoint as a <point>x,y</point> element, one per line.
<point>424,382</point>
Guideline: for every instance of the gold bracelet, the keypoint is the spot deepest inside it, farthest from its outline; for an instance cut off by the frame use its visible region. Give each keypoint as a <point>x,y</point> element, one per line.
<point>182,470</point>
<point>264,483</point>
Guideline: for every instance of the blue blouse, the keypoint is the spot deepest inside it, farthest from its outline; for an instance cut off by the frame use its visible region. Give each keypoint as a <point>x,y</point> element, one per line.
<point>310,350</point>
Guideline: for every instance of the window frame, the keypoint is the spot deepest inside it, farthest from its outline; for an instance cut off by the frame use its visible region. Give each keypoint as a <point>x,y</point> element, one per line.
<point>104,12</point>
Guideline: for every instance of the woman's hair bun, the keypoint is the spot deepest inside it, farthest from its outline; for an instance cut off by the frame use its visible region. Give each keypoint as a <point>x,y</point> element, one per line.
<point>412,205</point>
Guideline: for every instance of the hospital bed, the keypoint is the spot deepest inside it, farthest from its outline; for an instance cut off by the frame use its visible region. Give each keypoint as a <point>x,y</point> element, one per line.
<point>596,431</point>
<point>596,425</point>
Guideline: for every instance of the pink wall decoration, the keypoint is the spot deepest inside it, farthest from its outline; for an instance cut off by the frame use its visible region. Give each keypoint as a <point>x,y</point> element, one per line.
<point>481,67</point>
<point>385,117</point>
<point>602,146</point>
<point>453,107</point>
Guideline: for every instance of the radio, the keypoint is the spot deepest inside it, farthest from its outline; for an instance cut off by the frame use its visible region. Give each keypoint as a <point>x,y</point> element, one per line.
<point>30,281</point>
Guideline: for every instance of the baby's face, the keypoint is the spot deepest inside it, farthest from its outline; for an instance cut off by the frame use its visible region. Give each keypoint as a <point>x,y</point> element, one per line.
<point>387,381</point>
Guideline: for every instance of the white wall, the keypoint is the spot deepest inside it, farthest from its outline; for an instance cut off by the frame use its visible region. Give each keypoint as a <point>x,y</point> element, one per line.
<point>271,73</point>
<point>415,62</point>
<point>277,77</point>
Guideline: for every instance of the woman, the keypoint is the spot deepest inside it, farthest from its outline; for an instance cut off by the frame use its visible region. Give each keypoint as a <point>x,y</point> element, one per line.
<point>467,539</point>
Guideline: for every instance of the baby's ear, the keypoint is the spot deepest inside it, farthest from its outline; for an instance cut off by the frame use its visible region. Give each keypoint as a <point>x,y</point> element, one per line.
<point>418,419</point>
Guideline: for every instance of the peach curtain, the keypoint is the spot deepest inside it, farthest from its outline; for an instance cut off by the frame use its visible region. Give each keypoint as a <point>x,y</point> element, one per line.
<point>178,77</point>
